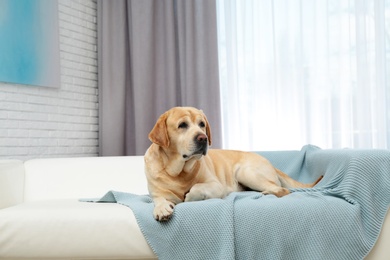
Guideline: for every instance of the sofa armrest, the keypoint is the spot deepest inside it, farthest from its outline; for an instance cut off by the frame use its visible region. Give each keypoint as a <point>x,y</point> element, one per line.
<point>381,249</point>
<point>11,182</point>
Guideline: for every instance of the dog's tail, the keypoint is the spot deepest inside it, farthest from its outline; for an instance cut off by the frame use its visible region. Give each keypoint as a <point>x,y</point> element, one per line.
<point>289,182</point>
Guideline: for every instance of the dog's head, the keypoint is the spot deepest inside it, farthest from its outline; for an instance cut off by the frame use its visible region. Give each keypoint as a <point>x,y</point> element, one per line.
<point>184,131</point>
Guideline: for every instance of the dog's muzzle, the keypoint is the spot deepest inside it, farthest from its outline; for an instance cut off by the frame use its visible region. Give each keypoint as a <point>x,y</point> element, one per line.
<point>201,146</point>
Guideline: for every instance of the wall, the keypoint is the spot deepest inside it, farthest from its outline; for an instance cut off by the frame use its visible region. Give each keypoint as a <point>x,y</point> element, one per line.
<point>44,122</point>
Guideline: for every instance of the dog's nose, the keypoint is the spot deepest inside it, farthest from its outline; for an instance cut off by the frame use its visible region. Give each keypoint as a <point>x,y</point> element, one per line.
<point>202,138</point>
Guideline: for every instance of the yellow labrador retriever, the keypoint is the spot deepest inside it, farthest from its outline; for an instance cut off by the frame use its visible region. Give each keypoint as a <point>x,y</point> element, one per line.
<point>180,168</point>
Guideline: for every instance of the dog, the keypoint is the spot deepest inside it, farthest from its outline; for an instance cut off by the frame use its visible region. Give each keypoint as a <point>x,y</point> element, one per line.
<point>179,166</point>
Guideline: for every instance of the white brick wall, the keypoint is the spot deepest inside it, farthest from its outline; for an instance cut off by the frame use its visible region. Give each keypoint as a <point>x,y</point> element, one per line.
<point>44,122</point>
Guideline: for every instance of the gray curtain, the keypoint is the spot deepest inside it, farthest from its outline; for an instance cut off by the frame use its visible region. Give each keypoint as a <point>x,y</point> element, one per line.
<point>154,55</point>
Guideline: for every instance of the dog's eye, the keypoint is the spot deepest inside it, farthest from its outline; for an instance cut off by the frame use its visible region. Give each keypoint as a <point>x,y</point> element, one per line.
<point>202,124</point>
<point>183,125</point>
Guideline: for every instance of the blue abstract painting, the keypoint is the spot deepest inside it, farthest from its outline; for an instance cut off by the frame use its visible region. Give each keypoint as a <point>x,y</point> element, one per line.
<point>29,42</point>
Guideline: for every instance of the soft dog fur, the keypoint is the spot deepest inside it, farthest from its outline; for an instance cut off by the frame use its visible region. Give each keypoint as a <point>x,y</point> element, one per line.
<point>180,168</point>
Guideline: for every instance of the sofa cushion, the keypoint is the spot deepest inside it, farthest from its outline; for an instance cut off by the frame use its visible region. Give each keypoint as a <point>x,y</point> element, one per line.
<point>84,177</point>
<point>71,229</point>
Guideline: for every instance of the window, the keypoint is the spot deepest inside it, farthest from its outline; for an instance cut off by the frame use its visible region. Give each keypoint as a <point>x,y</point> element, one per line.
<point>295,72</point>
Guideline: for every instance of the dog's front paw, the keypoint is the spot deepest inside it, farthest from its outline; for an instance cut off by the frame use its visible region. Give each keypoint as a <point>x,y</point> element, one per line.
<point>204,191</point>
<point>163,211</point>
<point>195,195</point>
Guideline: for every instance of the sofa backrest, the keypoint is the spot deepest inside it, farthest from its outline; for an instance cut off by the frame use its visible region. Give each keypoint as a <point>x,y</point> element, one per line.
<point>77,178</point>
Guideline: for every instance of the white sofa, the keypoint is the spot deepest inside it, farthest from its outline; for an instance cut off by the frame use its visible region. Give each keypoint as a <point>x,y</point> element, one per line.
<point>41,216</point>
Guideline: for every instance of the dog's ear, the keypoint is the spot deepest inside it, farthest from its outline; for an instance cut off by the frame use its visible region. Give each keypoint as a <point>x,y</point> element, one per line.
<point>159,133</point>
<point>208,130</point>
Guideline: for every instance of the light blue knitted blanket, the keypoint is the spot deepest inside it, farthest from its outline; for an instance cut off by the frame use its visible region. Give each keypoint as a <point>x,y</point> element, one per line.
<point>339,219</point>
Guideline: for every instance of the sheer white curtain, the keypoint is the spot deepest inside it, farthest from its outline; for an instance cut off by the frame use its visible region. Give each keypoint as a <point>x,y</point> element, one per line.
<point>294,72</point>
